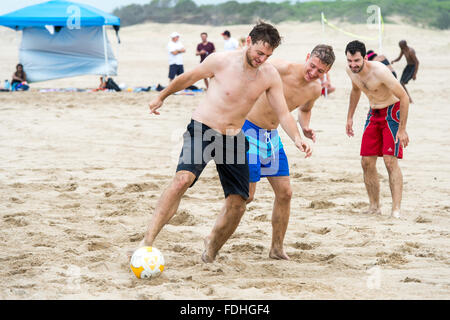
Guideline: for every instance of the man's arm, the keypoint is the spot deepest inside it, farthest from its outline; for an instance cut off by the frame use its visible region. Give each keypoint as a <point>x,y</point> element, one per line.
<point>416,62</point>
<point>355,95</point>
<point>203,70</point>
<point>397,89</point>
<point>399,57</point>
<point>275,96</point>
<point>304,117</point>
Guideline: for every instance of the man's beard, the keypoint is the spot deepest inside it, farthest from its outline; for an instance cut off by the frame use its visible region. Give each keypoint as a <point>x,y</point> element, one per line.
<point>360,69</point>
<point>249,60</point>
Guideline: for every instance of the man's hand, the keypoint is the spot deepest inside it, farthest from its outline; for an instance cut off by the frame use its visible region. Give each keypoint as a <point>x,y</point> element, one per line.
<point>349,128</point>
<point>303,146</point>
<point>310,133</point>
<point>414,77</point>
<point>155,104</point>
<point>402,136</point>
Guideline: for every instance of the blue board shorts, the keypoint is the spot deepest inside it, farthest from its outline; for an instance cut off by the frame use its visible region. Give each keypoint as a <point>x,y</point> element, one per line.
<point>266,156</point>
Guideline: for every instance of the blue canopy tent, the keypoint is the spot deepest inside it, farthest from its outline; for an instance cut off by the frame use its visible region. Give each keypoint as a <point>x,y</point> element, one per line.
<point>63,39</point>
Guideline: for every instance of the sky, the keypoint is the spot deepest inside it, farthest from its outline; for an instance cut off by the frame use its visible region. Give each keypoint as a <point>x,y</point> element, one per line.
<point>105,5</point>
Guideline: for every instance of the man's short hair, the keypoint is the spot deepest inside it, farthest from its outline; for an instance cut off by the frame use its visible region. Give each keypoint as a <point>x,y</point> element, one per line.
<point>266,33</point>
<point>204,33</point>
<point>356,46</point>
<point>226,33</point>
<point>325,54</point>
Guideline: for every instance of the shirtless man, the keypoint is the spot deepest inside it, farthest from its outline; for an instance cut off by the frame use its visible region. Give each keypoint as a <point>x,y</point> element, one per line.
<point>302,87</point>
<point>385,129</point>
<point>238,78</point>
<point>412,66</point>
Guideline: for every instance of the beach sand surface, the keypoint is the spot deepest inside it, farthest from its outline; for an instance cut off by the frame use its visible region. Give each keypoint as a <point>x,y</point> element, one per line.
<point>81,173</point>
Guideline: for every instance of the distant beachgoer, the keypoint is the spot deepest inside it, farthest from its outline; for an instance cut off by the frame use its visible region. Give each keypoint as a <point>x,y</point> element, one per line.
<point>372,56</point>
<point>327,87</point>
<point>204,49</point>
<point>242,41</point>
<point>176,49</point>
<point>412,66</point>
<point>19,79</point>
<point>230,43</point>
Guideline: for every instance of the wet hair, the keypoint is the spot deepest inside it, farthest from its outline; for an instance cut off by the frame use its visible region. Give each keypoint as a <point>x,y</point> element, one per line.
<point>356,46</point>
<point>371,55</point>
<point>325,54</point>
<point>266,33</point>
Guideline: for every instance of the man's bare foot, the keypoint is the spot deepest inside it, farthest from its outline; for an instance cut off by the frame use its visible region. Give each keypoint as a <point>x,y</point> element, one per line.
<point>278,254</point>
<point>376,211</point>
<point>396,214</point>
<point>208,256</point>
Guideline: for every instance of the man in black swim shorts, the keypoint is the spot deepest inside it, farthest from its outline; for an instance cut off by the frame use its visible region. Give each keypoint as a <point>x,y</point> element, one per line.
<point>238,78</point>
<point>412,66</point>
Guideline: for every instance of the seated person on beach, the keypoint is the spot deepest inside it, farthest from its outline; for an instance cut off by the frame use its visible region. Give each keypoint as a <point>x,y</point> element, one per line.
<point>372,56</point>
<point>19,79</point>
<point>102,85</point>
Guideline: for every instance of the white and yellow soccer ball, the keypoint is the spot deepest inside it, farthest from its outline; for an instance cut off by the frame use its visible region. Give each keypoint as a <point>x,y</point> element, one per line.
<point>147,263</point>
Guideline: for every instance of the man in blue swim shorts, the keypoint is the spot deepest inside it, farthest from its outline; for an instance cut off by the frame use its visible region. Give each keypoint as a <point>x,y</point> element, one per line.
<point>266,156</point>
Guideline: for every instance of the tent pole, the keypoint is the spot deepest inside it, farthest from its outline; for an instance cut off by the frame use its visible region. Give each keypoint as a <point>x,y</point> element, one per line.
<point>105,49</point>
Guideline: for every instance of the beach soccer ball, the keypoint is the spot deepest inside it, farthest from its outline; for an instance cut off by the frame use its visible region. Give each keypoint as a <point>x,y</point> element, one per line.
<point>147,263</point>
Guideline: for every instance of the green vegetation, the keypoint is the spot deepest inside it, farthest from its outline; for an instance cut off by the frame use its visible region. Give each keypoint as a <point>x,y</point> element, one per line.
<point>431,13</point>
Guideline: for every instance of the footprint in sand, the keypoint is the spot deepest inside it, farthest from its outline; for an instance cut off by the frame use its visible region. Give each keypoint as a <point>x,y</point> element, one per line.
<point>390,259</point>
<point>247,247</point>
<point>182,218</point>
<point>66,187</point>
<point>15,221</point>
<point>98,245</point>
<point>421,219</point>
<point>322,231</point>
<point>141,187</point>
<point>305,246</point>
<point>408,279</point>
<point>321,204</point>
<point>16,200</point>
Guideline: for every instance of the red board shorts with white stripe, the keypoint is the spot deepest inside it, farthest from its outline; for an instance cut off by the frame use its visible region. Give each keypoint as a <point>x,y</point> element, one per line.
<point>380,131</point>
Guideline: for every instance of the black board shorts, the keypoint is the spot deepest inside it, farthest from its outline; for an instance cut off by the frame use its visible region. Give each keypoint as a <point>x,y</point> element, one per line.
<point>202,144</point>
<point>408,73</point>
<point>175,70</point>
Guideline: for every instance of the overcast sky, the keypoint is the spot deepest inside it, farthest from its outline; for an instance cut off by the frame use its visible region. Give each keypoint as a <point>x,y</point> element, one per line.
<point>105,5</point>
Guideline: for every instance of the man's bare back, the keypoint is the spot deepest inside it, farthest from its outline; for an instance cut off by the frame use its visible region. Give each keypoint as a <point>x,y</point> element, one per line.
<point>297,92</point>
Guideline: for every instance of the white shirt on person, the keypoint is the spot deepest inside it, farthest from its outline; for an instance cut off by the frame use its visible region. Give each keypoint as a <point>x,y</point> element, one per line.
<point>231,44</point>
<point>175,58</point>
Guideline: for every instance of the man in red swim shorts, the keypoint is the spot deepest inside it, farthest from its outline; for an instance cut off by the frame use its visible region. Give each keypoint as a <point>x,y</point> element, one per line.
<point>385,128</point>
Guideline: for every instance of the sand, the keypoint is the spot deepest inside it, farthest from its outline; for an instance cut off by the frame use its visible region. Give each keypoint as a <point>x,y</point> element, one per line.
<point>81,173</point>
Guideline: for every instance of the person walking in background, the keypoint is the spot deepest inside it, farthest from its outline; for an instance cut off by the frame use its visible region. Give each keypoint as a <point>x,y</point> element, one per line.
<point>204,49</point>
<point>176,49</point>
<point>230,43</point>
<point>412,66</point>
